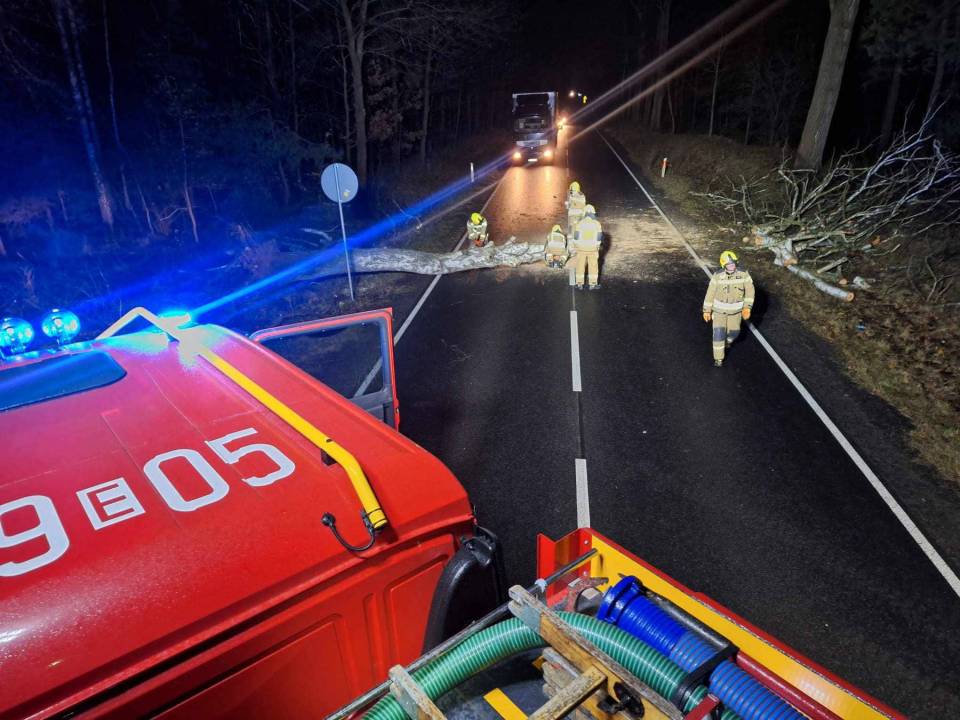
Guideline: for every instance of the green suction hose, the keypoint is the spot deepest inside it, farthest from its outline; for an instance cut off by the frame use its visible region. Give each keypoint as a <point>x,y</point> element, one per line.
<point>498,642</point>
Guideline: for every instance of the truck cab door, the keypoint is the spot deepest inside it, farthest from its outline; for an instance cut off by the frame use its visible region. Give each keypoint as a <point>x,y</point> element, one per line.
<point>352,354</point>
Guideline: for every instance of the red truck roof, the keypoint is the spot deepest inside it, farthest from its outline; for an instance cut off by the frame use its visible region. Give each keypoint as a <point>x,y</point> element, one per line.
<point>143,517</point>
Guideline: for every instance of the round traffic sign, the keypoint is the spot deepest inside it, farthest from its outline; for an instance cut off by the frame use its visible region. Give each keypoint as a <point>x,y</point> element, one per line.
<point>339,183</point>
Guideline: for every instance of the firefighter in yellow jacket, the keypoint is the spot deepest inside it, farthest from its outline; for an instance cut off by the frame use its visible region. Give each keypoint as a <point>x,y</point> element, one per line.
<point>477,229</point>
<point>576,202</point>
<point>586,241</point>
<point>729,298</point>
<point>555,251</point>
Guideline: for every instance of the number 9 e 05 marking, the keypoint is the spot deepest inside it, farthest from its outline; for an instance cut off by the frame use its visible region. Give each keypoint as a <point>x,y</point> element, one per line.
<point>51,529</point>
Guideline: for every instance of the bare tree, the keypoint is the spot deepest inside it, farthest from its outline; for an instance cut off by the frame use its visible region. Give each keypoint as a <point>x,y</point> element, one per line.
<point>947,15</point>
<point>69,42</point>
<point>715,62</point>
<point>843,15</point>
<point>663,40</point>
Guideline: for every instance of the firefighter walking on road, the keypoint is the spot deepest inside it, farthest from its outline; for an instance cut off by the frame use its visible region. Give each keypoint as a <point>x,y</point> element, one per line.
<point>586,241</point>
<point>477,229</point>
<point>729,298</point>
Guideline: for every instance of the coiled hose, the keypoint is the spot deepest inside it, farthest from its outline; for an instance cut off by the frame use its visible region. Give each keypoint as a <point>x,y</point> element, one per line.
<point>498,642</point>
<point>626,607</point>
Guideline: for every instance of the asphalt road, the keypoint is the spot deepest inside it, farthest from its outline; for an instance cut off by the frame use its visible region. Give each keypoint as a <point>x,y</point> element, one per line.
<point>723,478</point>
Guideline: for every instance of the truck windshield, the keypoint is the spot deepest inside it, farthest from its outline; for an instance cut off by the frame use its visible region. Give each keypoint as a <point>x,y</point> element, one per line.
<point>533,101</point>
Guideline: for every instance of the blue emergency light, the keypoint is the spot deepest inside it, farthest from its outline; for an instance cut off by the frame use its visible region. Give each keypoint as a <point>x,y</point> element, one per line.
<point>15,335</point>
<point>60,325</point>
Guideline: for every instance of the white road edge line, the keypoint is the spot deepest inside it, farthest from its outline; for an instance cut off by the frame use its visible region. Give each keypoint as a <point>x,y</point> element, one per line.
<point>416,308</point>
<point>575,351</point>
<point>895,507</point>
<point>583,493</point>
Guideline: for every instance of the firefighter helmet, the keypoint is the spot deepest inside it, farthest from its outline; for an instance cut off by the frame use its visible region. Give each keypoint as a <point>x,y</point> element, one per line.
<point>728,256</point>
<point>476,218</point>
<point>590,210</point>
<point>556,228</point>
<point>574,187</point>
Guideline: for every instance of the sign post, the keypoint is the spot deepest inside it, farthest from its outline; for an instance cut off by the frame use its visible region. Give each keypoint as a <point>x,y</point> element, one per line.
<point>339,183</point>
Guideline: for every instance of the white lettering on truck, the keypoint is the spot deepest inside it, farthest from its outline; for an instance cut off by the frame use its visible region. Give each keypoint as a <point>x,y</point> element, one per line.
<point>114,501</point>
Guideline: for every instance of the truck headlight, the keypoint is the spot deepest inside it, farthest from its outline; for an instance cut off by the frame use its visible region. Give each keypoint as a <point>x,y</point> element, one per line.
<point>60,325</point>
<point>518,155</point>
<point>15,334</point>
<point>548,154</point>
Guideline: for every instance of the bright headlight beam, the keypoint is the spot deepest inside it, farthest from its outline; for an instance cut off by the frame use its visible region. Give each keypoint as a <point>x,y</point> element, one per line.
<point>714,47</point>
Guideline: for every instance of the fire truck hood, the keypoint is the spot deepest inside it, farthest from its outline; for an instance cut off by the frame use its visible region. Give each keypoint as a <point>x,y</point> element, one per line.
<point>146,516</point>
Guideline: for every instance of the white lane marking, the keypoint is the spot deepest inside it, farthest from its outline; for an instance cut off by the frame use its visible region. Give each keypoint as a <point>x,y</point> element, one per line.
<point>416,308</point>
<point>895,507</point>
<point>573,276</point>
<point>583,493</point>
<point>575,351</point>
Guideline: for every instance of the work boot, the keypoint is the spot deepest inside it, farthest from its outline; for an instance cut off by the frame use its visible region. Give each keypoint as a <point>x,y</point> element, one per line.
<point>595,286</point>
<point>718,363</point>
<point>579,286</point>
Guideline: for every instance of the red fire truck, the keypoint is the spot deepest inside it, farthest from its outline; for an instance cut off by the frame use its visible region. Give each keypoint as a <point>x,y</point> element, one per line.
<point>191,526</point>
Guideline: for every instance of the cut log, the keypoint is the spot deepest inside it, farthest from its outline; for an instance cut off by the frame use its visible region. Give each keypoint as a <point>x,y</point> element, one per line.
<point>831,265</point>
<point>822,286</point>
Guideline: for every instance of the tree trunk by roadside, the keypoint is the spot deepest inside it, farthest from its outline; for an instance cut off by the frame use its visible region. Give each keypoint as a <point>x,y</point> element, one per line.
<point>713,95</point>
<point>70,46</point>
<point>456,124</point>
<point>294,108</point>
<point>750,101</point>
<point>663,38</point>
<point>843,15</point>
<point>124,185</point>
<point>347,129</point>
<point>945,14</point>
<point>425,120</point>
<point>673,119</point>
<point>188,201</point>
<point>893,95</point>
<point>355,37</point>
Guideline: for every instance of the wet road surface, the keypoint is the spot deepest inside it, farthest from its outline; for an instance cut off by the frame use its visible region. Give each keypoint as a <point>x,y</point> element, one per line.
<point>723,478</point>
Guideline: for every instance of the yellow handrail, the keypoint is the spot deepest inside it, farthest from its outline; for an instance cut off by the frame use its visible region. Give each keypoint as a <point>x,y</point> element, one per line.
<point>373,513</point>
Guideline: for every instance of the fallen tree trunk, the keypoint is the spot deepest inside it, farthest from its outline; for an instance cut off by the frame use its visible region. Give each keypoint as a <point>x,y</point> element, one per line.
<point>374,260</point>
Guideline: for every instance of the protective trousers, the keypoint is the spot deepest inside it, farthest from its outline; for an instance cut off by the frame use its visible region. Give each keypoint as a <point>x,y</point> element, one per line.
<point>726,327</point>
<point>588,263</point>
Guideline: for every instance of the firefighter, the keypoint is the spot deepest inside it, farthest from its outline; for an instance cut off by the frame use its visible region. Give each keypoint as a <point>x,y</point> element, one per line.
<point>729,298</point>
<point>477,230</point>
<point>555,252</point>
<point>576,201</point>
<point>586,241</point>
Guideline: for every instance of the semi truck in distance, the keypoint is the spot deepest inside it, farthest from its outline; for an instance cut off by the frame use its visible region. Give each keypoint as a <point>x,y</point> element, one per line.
<point>534,117</point>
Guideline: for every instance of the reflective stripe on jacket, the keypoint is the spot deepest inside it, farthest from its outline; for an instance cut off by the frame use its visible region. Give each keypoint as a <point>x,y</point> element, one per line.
<point>474,230</point>
<point>729,292</point>
<point>587,235</point>
<point>576,201</point>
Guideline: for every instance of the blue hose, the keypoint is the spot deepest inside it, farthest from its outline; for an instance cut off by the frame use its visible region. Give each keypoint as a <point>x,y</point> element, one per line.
<point>625,606</point>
